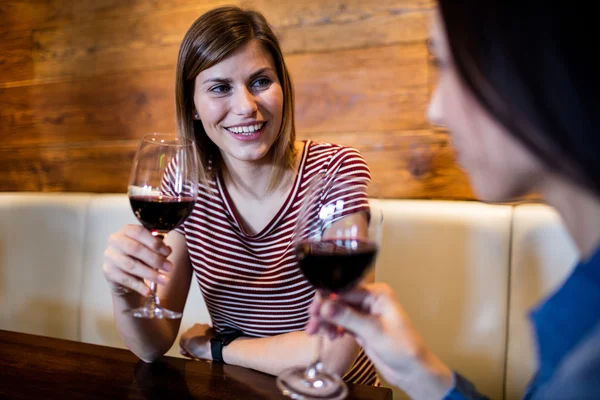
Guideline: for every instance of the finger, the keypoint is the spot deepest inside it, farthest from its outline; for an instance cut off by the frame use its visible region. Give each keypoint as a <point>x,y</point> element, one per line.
<point>142,235</point>
<point>184,352</point>
<point>315,306</point>
<point>130,282</point>
<point>136,249</point>
<point>358,323</point>
<point>366,296</point>
<point>312,326</point>
<point>134,267</point>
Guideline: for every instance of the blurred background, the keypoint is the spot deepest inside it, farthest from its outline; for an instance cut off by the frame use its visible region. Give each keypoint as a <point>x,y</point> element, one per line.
<point>82,80</point>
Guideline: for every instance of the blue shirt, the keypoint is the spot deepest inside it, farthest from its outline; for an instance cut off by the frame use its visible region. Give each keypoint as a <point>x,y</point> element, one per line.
<point>567,334</point>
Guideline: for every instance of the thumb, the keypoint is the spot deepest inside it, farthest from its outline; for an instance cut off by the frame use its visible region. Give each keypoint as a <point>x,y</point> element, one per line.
<point>358,323</point>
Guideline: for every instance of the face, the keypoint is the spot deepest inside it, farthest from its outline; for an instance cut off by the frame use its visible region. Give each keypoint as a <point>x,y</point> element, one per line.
<point>499,167</point>
<point>240,103</point>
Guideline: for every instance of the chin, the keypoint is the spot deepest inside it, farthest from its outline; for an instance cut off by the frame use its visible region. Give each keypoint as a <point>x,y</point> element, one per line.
<point>250,156</point>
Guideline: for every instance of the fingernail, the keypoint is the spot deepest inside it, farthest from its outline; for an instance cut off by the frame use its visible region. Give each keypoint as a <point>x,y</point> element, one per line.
<point>167,266</point>
<point>165,251</point>
<point>163,279</point>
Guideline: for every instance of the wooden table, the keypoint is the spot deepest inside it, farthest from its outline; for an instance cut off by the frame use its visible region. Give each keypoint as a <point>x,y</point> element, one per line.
<point>38,367</point>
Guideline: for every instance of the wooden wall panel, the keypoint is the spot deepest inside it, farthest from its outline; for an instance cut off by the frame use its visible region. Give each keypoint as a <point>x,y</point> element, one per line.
<point>337,96</point>
<point>82,81</point>
<point>83,167</point>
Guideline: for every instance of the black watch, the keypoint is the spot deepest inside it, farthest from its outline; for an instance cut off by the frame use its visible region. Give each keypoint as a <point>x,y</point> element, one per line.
<point>221,340</point>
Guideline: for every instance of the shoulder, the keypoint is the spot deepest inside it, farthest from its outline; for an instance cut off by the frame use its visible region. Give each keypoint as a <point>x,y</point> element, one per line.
<point>578,376</point>
<point>332,155</point>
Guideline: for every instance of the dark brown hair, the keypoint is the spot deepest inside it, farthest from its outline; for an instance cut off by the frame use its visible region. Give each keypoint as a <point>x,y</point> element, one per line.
<point>211,38</point>
<point>529,63</point>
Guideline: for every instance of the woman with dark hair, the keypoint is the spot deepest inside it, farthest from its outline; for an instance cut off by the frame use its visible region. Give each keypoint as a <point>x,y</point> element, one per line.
<point>234,98</point>
<point>518,93</point>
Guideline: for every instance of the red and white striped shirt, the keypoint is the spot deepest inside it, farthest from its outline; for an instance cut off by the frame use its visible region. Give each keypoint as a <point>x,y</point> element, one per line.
<point>252,282</point>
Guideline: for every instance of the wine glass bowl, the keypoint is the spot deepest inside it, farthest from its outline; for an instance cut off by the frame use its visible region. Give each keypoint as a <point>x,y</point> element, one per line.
<point>163,188</point>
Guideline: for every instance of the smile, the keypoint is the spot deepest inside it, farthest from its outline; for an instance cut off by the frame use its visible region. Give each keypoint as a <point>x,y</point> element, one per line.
<point>245,130</point>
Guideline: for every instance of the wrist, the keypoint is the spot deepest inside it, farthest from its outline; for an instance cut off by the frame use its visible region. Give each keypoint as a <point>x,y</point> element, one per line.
<point>221,342</point>
<point>431,377</point>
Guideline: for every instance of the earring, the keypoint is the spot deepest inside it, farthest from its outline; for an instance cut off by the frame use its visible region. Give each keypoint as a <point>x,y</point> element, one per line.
<point>196,116</point>
<point>210,163</point>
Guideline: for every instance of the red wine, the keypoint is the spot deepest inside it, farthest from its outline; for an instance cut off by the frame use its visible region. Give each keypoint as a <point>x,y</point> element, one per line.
<point>161,213</point>
<point>335,265</point>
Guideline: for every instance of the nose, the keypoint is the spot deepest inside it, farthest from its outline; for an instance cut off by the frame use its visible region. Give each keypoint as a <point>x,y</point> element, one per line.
<point>435,113</point>
<point>244,103</point>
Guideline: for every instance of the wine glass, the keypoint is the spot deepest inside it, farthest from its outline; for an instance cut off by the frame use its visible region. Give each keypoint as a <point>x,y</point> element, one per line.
<point>336,242</point>
<point>163,188</point>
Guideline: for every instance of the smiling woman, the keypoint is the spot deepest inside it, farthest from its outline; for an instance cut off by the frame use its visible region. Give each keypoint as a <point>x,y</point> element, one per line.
<point>234,98</point>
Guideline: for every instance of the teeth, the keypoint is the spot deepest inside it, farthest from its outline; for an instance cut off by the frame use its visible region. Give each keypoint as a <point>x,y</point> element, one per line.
<point>246,130</point>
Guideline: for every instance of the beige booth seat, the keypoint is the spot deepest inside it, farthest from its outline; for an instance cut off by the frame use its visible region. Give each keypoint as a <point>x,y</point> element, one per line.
<point>452,264</point>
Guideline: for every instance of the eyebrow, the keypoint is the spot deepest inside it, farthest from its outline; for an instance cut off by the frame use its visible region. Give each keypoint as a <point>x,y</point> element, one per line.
<point>227,80</point>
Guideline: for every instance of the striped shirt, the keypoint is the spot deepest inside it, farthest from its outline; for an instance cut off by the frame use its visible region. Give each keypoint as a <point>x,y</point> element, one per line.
<point>252,282</point>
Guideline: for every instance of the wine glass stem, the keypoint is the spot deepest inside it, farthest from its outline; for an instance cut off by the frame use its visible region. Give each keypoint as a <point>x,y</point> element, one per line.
<point>311,373</point>
<point>152,302</point>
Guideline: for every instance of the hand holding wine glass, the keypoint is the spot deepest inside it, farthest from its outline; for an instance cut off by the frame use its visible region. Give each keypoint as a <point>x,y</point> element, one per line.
<point>162,192</point>
<point>336,243</point>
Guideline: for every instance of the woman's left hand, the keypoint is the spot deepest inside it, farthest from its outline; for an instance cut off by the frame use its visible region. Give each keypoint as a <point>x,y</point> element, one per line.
<point>195,342</point>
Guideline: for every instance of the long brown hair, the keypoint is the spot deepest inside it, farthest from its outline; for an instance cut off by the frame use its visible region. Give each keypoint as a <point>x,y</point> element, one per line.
<point>211,38</point>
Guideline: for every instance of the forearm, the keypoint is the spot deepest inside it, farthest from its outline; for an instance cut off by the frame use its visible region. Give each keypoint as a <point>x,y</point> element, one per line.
<point>276,353</point>
<point>146,338</point>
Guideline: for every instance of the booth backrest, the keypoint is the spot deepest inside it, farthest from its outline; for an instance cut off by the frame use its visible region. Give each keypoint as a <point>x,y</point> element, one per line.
<point>466,272</point>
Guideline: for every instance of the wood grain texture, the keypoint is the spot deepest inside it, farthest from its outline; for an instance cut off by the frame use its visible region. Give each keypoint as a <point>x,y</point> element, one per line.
<point>82,81</point>
<point>71,44</point>
<point>38,367</point>
<point>404,164</point>
<point>407,164</point>
<point>379,88</point>
<point>86,167</point>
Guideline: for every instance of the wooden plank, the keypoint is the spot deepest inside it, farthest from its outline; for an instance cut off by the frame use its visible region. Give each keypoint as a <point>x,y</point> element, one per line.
<point>116,42</point>
<point>406,164</point>
<point>380,88</point>
<point>315,25</point>
<point>21,15</point>
<point>383,88</point>
<point>102,167</point>
<point>115,107</point>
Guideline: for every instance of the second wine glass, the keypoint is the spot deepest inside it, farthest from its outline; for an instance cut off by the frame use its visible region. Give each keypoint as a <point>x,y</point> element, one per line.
<point>336,243</point>
<point>163,189</point>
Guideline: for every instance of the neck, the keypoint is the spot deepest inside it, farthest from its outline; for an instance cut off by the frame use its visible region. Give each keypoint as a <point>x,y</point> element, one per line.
<point>249,178</point>
<point>579,209</point>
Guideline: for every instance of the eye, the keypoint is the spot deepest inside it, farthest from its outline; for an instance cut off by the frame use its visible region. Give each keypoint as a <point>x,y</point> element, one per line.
<point>261,83</point>
<point>220,89</point>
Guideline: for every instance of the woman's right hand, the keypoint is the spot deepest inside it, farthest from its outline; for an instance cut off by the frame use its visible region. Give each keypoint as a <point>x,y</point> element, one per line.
<point>133,255</point>
<point>373,315</point>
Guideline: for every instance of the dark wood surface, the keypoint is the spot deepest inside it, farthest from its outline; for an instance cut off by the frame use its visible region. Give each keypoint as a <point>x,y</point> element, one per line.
<point>37,367</point>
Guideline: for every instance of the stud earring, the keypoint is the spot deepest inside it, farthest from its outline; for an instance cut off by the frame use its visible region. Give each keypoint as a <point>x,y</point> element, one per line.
<point>196,116</point>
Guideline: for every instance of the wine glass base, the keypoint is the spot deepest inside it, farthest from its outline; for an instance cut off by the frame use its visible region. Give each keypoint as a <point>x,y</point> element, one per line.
<point>293,384</point>
<point>154,313</point>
